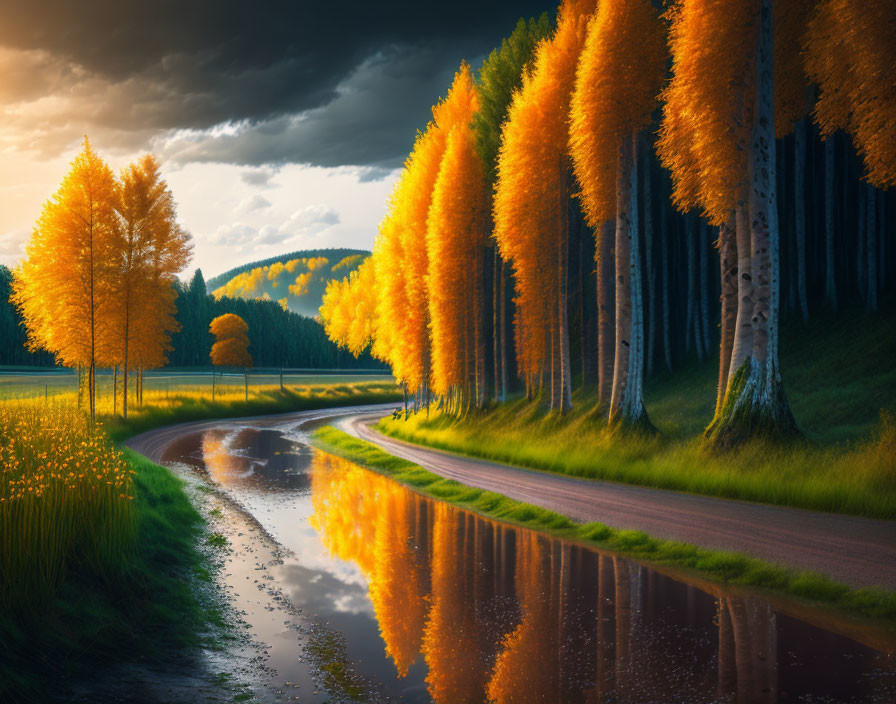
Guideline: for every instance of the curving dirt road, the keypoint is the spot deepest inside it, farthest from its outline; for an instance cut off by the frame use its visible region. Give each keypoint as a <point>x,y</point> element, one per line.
<point>853,550</point>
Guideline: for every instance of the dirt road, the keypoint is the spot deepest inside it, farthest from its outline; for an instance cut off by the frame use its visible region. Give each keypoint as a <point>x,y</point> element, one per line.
<point>853,550</point>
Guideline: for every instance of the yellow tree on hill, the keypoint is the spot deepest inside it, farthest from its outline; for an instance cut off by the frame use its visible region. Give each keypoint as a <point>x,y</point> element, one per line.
<point>231,346</point>
<point>619,76</point>
<point>63,287</point>
<point>150,250</point>
<point>531,204</point>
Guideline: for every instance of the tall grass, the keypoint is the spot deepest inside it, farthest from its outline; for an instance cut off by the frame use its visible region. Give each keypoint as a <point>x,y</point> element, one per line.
<point>65,501</point>
<point>858,478</point>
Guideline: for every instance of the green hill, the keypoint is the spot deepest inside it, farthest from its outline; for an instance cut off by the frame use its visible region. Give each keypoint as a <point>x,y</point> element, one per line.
<point>296,280</point>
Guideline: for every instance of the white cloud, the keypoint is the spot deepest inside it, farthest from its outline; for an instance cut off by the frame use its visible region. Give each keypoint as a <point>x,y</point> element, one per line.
<point>252,203</point>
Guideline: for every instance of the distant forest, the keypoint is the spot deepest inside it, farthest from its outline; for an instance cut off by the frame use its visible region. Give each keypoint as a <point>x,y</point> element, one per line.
<point>332,254</point>
<point>277,337</point>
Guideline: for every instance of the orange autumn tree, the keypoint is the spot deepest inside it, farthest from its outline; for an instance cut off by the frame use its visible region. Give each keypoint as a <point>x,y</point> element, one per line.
<point>532,200</point>
<point>721,100</point>
<point>619,76</point>
<point>348,309</point>
<point>231,346</point>
<point>456,242</point>
<point>850,54</point>
<point>150,250</point>
<point>63,286</point>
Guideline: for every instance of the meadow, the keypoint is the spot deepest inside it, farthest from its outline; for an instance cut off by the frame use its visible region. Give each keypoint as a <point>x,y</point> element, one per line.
<point>841,383</point>
<point>99,548</point>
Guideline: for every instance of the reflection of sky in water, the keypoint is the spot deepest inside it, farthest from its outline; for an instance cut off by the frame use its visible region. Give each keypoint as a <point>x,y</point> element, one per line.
<point>473,610</point>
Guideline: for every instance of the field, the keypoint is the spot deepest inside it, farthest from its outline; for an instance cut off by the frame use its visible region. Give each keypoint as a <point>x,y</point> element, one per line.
<point>98,547</point>
<point>841,382</point>
<point>28,382</point>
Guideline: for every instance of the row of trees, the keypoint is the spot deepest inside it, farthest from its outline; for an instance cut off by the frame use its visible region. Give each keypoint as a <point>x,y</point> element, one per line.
<point>97,284</point>
<point>584,141</point>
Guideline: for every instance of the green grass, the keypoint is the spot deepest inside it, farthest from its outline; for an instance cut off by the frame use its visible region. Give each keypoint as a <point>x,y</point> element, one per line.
<point>137,601</point>
<point>147,611</point>
<point>185,407</point>
<point>841,381</point>
<point>719,566</point>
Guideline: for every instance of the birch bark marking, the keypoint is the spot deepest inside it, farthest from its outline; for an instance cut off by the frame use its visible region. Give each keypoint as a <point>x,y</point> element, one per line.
<point>623,283</point>
<point>606,335</point>
<point>728,264</point>
<point>562,303</point>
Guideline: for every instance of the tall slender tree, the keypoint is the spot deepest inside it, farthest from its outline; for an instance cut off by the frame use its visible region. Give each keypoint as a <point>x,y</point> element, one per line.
<point>531,203</point>
<point>150,249</point>
<point>63,286</point>
<point>619,76</point>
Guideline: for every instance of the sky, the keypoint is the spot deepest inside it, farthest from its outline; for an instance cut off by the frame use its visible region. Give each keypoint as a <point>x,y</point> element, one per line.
<point>281,125</point>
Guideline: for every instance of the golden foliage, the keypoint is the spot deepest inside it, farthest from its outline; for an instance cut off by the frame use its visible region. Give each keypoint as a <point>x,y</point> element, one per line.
<point>850,54</point>
<point>63,287</point>
<point>531,195</point>
<point>619,76</point>
<point>231,347</point>
<point>349,309</point>
<point>456,239</point>
<point>706,115</point>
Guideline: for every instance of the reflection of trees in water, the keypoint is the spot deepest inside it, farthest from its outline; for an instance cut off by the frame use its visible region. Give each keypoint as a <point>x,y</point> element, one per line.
<point>232,458</point>
<point>506,615</point>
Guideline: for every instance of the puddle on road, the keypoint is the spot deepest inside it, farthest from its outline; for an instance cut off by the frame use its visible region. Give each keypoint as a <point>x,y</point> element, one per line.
<point>380,594</point>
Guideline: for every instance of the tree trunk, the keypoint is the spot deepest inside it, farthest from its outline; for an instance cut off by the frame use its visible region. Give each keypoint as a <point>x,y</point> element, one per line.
<point>871,248</point>
<point>756,404</point>
<point>504,331</point>
<point>664,269</point>
<point>728,265</point>
<point>689,324</point>
<point>799,204</point>
<point>627,403</point>
<point>861,258</point>
<point>830,281</point>
<point>647,207</point>
<point>606,333</point>
<point>743,331</point>
<point>246,383</point>
<point>480,325</point>
<point>704,287</point>
<point>497,282</point>
<point>114,389</point>
<point>214,374</point>
<point>563,306</point>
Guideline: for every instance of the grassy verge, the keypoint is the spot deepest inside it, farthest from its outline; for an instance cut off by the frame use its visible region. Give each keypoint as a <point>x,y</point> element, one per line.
<point>719,566</point>
<point>147,608</point>
<point>186,407</point>
<point>841,383</point>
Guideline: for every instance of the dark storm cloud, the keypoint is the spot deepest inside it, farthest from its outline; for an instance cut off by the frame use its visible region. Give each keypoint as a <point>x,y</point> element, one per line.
<point>322,82</point>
